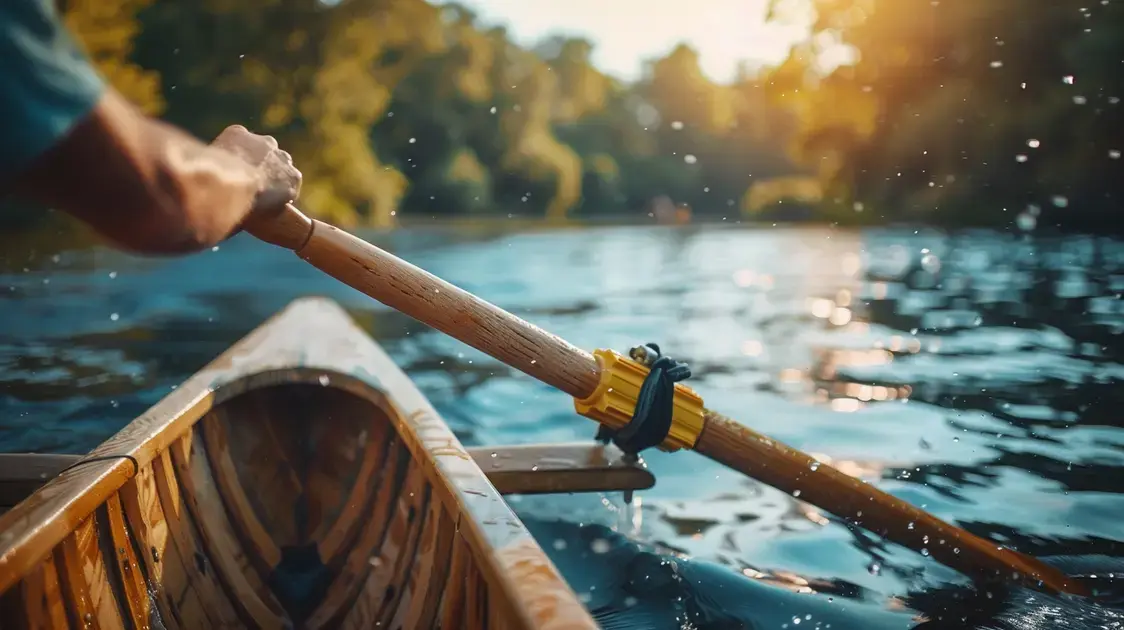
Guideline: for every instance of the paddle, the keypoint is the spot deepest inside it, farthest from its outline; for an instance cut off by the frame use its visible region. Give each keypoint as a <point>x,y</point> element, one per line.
<point>523,346</point>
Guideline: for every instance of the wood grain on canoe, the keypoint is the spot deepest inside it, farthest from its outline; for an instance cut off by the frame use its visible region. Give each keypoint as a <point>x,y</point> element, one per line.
<point>248,591</point>
<point>190,516</point>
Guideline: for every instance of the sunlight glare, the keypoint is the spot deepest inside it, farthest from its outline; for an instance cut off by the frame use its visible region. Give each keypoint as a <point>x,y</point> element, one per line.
<point>625,33</point>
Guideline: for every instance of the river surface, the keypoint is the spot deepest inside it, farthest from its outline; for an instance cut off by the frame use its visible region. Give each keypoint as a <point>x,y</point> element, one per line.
<point>977,375</point>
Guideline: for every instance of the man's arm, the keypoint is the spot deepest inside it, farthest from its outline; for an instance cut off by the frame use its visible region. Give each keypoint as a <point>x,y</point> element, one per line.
<point>146,185</point>
<point>68,141</point>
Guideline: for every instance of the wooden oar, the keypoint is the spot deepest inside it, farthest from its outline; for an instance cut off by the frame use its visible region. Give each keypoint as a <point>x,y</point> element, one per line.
<point>546,357</point>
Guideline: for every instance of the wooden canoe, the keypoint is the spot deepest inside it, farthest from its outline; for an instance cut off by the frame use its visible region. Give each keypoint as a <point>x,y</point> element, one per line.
<point>300,480</point>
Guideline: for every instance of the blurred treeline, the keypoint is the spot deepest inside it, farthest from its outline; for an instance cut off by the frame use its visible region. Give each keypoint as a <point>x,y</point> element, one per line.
<point>956,112</point>
<point>400,107</point>
<point>964,111</point>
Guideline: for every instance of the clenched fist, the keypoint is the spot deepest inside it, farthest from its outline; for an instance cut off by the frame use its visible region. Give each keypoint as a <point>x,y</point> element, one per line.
<point>280,181</point>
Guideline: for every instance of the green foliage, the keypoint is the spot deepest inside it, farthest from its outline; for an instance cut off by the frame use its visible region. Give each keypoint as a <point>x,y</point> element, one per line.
<point>399,107</point>
<point>955,111</point>
<point>107,29</point>
<point>960,111</point>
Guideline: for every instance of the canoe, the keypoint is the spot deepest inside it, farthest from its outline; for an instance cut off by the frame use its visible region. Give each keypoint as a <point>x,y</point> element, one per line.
<point>300,480</point>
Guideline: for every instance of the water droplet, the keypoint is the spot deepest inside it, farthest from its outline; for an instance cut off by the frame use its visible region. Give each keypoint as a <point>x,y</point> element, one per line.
<point>495,454</point>
<point>1068,79</point>
<point>600,545</point>
<point>1060,201</point>
<point>925,552</point>
<point>1026,221</point>
<point>930,263</point>
<point>114,317</point>
<point>677,125</point>
<point>112,275</point>
<point>911,525</point>
<point>1114,154</point>
<point>1033,143</point>
<point>413,140</point>
<point>630,601</point>
<point>324,380</point>
<point>997,64</point>
<point>215,248</point>
<point>690,159</point>
<point>559,544</point>
<point>493,110</point>
<point>874,568</point>
<point>1020,158</point>
<point>796,493</point>
<point>814,466</point>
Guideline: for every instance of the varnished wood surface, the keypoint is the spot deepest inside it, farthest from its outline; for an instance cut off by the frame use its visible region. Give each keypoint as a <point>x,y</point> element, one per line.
<point>554,468</point>
<point>771,462</point>
<point>544,356</point>
<point>299,481</point>
<point>450,309</point>
<point>515,469</point>
<point>499,542</point>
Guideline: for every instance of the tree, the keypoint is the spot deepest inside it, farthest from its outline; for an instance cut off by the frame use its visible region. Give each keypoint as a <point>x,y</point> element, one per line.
<point>957,111</point>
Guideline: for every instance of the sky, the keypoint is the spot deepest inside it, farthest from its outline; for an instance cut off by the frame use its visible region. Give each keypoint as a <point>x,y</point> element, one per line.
<point>626,32</point>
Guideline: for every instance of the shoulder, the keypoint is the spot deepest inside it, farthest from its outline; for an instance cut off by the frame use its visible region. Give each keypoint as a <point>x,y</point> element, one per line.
<point>47,84</point>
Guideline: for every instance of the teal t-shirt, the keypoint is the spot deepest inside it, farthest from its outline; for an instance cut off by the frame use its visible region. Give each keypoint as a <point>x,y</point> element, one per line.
<point>47,84</point>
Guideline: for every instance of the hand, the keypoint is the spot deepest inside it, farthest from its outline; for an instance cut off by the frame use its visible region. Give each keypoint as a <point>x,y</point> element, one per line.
<point>280,180</point>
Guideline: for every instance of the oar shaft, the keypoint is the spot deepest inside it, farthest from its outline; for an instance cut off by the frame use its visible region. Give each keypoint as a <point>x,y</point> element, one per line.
<point>768,461</point>
<point>550,359</point>
<point>451,310</point>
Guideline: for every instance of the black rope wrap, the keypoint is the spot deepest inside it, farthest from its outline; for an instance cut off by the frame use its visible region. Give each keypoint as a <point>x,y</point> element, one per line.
<point>651,419</point>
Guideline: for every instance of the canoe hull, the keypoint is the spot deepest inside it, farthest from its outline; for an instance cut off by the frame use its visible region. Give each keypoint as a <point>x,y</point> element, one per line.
<point>299,481</point>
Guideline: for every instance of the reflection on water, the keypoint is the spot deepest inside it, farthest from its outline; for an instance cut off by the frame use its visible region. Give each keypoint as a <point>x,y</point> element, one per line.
<point>975,375</point>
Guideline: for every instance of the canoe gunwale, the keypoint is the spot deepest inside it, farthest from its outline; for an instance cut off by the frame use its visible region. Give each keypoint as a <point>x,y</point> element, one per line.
<point>77,492</point>
<point>312,342</point>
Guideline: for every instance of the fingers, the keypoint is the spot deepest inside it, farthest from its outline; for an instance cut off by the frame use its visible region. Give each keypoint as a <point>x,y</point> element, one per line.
<point>295,179</point>
<point>281,181</point>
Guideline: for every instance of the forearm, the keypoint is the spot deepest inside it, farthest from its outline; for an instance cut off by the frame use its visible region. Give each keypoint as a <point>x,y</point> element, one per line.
<point>143,184</point>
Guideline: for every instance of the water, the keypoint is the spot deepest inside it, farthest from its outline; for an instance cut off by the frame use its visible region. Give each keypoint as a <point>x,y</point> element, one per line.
<point>975,375</point>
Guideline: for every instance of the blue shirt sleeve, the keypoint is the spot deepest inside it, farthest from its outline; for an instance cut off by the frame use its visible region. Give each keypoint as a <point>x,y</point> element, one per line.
<point>47,85</point>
